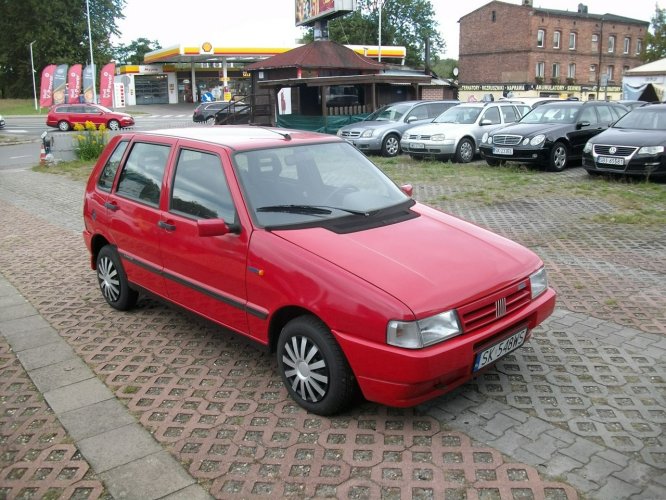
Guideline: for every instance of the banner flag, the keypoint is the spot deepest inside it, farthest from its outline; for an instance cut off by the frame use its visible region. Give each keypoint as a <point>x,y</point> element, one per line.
<point>46,87</point>
<point>60,84</point>
<point>74,83</point>
<point>88,94</point>
<point>106,85</point>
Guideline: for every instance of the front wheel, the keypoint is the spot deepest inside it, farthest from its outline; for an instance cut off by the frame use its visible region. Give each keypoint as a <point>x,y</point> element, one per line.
<point>113,280</point>
<point>114,125</point>
<point>313,367</point>
<point>465,151</point>
<point>391,145</point>
<point>559,157</point>
<point>63,125</point>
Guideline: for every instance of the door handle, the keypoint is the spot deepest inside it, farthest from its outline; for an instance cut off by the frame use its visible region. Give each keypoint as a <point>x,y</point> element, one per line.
<point>111,206</point>
<point>166,225</point>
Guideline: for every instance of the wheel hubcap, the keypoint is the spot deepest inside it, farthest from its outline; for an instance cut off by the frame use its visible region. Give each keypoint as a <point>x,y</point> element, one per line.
<point>560,158</point>
<point>305,369</point>
<point>108,280</point>
<point>392,147</point>
<point>466,151</point>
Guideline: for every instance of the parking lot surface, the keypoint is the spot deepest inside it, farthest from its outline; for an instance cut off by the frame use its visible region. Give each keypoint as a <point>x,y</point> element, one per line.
<point>156,403</point>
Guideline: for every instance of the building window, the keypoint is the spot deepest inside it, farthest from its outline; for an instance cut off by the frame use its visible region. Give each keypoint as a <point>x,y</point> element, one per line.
<point>609,73</point>
<point>572,41</point>
<point>639,46</point>
<point>595,43</point>
<point>540,69</point>
<point>541,36</point>
<point>493,16</point>
<point>625,69</point>
<point>627,44</point>
<point>556,70</point>
<point>571,73</point>
<point>556,39</point>
<point>593,73</point>
<point>611,43</point>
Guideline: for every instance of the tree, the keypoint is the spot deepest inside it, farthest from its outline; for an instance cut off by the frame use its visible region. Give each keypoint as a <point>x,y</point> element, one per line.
<point>655,40</point>
<point>135,51</point>
<point>407,23</point>
<point>444,67</point>
<point>59,29</point>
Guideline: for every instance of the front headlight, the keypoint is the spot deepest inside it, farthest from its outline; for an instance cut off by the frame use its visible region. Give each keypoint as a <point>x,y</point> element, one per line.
<point>437,137</point>
<point>339,132</point>
<point>424,332</point>
<point>368,133</point>
<point>538,282</point>
<point>651,150</point>
<point>587,148</point>
<point>484,138</point>
<point>537,140</point>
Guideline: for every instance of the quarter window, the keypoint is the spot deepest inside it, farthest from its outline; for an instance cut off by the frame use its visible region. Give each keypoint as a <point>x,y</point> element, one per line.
<point>541,35</point>
<point>200,189</point>
<point>572,41</point>
<point>141,178</point>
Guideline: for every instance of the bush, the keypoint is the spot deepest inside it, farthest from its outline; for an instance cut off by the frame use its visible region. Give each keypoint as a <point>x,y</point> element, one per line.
<point>89,142</point>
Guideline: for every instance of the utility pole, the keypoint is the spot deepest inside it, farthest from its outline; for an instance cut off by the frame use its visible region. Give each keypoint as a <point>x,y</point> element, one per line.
<point>32,66</point>
<point>92,61</point>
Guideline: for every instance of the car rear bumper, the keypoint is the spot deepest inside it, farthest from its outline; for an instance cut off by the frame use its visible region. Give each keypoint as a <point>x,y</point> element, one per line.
<point>404,377</point>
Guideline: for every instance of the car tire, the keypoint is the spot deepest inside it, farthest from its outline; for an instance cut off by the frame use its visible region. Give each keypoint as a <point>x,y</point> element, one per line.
<point>559,157</point>
<point>465,151</point>
<point>313,367</point>
<point>63,126</point>
<point>114,125</point>
<point>391,146</point>
<point>113,282</point>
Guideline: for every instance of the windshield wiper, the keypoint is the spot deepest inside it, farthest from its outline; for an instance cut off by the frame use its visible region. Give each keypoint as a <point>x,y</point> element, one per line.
<point>309,209</point>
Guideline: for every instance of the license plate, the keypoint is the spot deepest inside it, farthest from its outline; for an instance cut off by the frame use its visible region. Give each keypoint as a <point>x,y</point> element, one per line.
<point>416,145</point>
<point>502,151</point>
<point>500,349</point>
<point>610,160</point>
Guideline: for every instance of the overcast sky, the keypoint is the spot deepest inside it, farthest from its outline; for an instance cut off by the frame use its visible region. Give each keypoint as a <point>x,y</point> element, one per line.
<point>270,23</point>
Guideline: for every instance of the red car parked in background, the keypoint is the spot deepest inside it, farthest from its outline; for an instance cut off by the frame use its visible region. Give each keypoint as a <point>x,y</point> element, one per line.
<point>65,116</point>
<point>299,242</point>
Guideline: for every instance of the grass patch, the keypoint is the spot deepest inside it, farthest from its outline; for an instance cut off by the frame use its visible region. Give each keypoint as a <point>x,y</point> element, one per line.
<point>9,107</point>
<point>130,389</point>
<point>78,170</point>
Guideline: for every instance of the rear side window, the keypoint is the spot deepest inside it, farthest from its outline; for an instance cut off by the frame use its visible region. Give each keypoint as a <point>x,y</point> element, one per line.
<point>200,189</point>
<point>105,181</point>
<point>141,178</point>
<point>509,114</point>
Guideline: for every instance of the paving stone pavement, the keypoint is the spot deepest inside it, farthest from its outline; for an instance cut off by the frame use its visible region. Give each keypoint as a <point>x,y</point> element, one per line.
<point>581,408</point>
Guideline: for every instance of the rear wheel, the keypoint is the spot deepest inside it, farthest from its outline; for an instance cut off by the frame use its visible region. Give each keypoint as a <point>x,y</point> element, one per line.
<point>114,125</point>
<point>314,368</point>
<point>465,151</point>
<point>559,157</point>
<point>63,125</point>
<point>391,145</point>
<point>113,280</point>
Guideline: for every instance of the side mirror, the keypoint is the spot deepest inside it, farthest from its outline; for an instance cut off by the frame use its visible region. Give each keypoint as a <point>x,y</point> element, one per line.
<point>215,227</point>
<point>486,122</point>
<point>408,189</point>
<point>580,125</point>
<point>411,119</point>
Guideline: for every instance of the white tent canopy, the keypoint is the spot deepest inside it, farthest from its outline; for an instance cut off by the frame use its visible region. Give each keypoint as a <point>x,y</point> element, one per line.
<point>646,83</point>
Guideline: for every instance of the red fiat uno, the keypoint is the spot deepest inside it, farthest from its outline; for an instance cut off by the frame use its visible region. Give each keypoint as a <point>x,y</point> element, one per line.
<point>299,242</point>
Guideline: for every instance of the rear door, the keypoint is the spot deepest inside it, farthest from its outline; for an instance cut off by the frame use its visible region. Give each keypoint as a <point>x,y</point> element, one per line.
<point>133,211</point>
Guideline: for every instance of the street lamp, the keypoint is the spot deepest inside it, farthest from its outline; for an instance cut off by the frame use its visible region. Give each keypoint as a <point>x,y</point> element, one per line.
<point>32,65</point>
<point>379,59</point>
<point>92,61</point>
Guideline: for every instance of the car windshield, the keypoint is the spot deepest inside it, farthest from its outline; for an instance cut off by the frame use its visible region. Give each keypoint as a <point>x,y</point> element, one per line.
<point>313,183</point>
<point>643,119</point>
<point>552,113</point>
<point>390,113</point>
<point>459,114</point>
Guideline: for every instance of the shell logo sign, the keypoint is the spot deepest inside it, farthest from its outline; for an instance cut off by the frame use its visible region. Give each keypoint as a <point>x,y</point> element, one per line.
<point>207,47</point>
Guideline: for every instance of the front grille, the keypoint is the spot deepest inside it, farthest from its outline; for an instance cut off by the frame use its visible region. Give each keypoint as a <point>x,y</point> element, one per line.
<point>507,140</point>
<point>603,149</point>
<point>419,137</point>
<point>499,305</point>
<point>350,133</point>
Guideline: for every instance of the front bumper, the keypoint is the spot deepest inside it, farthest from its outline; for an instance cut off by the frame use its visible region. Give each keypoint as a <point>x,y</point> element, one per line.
<point>518,153</point>
<point>370,144</point>
<point>426,148</point>
<point>643,165</point>
<point>404,377</point>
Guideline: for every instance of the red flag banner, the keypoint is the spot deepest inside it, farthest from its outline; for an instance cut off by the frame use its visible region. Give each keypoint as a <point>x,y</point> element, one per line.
<point>46,87</point>
<point>74,83</point>
<point>106,85</point>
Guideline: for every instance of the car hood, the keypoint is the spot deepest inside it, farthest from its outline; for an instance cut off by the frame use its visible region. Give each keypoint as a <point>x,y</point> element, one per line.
<point>630,137</point>
<point>430,263</point>
<point>530,129</point>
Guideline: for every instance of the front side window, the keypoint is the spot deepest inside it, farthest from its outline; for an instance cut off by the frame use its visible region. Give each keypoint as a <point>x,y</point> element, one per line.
<point>572,41</point>
<point>493,115</point>
<point>611,43</point>
<point>418,113</point>
<point>105,181</point>
<point>556,39</point>
<point>141,178</point>
<point>200,188</point>
<point>541,35</point>
<point>627,45</point>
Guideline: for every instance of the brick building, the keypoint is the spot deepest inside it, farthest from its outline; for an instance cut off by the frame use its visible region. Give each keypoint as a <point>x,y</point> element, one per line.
<point>531,51</point>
